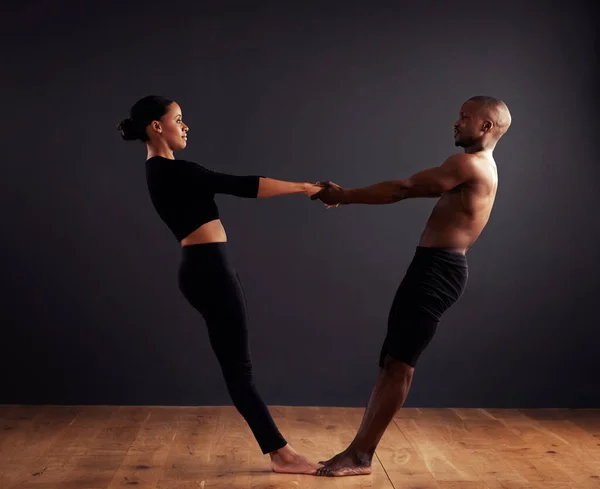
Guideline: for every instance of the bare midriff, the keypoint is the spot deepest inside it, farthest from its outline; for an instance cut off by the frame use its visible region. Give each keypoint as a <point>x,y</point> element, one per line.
<point>210,232</point>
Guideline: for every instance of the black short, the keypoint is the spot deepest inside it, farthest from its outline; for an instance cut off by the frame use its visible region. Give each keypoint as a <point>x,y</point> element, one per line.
<point>435,279</point>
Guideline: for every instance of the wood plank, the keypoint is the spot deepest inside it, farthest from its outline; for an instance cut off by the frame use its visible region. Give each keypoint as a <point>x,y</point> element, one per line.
<point>145,461</point>
<point>432,446</point>
<point>105,447</point>
<point>89,452</point>
<point>30,434</point>
<point>48,470</point>
<point>549,452</point>
<point>207,448</point>
<point>404,463</point>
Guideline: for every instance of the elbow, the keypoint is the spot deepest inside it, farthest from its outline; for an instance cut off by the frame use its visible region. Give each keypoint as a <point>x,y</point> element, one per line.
<point>400,190</point>
<point>260,187</point>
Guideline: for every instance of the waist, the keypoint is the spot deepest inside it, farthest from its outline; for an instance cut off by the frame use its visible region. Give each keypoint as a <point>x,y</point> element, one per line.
<point>202,262</point>
<point>210,232</point>
<point>220,246</point>
<point>448,237</point>
<point>207,254</point>
<point>447,256</point>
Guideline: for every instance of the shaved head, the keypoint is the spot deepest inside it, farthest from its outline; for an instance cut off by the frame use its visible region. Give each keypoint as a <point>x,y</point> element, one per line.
<point>482,121</point>
<point>493,110</point>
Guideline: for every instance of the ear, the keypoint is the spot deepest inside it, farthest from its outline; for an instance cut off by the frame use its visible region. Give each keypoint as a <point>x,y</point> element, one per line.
<point>156,127</point>
<point>487,126</point>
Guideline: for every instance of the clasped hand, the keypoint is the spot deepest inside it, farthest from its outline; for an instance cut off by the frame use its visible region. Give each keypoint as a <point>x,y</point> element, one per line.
<point>327,192</point>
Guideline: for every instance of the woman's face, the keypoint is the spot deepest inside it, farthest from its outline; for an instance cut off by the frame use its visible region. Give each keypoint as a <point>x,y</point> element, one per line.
<point>171,128</point>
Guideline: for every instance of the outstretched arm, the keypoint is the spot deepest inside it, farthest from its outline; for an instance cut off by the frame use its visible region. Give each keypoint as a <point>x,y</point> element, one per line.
<point>269,187</point>
<point>432,182</point>
<point>249,186</point>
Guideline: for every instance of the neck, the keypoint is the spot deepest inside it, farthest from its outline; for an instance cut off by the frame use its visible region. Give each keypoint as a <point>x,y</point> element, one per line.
<point>159,148</point>
<point>481,146</point>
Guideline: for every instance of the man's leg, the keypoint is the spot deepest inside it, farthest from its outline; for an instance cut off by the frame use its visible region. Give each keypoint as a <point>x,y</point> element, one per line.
<point>387,397</point>
<point>409,332</point>
<point>433,282</point>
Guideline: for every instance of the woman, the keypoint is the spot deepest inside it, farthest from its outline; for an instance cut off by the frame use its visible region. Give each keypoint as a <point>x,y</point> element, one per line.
<point>182,193</point>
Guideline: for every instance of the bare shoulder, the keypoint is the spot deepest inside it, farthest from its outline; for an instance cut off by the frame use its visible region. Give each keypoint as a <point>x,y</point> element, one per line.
<point>470,166</point>
<point>466,165</point>
<point>462,161</point>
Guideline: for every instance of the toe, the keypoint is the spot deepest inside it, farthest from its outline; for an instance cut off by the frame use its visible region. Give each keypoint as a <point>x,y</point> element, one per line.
<point>324,472</point>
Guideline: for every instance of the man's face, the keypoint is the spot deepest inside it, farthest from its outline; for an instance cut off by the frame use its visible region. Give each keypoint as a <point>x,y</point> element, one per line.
<point>469,127</point>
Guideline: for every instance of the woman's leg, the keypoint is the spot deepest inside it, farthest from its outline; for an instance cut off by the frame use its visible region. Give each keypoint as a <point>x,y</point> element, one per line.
<point>215,290</point>
<point>228,334</point>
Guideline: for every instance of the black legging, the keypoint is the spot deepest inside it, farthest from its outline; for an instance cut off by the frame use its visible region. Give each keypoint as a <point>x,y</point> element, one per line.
<point>210,283</point>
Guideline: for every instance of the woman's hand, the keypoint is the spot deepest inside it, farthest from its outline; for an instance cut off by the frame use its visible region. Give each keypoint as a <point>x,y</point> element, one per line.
<point>313,188</point>
<point>269,187</point>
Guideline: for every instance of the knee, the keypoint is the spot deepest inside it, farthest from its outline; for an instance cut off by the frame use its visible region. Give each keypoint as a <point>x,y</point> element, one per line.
<point>238,373</point>
<point>397,369</point>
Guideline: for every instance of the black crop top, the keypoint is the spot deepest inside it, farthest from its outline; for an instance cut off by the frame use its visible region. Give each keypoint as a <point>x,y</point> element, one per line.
<point>183,192</point>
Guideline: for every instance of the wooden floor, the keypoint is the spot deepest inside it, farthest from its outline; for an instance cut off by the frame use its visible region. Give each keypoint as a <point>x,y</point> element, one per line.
<point>97,447</point>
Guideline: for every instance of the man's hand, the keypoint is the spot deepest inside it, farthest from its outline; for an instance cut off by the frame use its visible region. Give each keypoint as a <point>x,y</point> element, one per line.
<point>331,194</point>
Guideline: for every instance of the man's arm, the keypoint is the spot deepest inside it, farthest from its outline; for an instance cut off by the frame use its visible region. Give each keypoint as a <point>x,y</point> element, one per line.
<point>433,182</point>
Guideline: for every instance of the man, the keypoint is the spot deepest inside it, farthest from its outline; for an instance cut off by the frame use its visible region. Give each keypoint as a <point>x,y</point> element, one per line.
<point>466,185</point>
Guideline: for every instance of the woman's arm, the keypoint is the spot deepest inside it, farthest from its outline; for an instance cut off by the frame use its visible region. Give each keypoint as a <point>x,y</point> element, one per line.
<point>269,187</point>
<point>248,186</point>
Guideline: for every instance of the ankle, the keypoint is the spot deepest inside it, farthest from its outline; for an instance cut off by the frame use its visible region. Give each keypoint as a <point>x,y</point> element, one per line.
<point>361,455</point>
<point>282,453</point>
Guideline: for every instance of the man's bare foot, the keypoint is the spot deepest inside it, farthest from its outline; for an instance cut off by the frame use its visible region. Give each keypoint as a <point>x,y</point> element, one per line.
<point>287,461</point>
<point>348,462</point>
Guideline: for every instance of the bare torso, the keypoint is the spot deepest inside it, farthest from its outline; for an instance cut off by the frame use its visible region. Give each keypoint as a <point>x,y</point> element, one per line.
<point>460,215</point>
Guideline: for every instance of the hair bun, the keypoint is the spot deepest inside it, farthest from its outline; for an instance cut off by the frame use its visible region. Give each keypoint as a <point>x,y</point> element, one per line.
<point>127,130</point>
<point>144,111</point>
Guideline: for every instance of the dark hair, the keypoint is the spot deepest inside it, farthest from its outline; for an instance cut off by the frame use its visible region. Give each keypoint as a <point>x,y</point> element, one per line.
<point>143,112</point>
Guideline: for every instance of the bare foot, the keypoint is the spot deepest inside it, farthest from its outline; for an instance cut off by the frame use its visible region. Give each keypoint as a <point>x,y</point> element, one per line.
<point>287,461</point>
<point>346,463</point>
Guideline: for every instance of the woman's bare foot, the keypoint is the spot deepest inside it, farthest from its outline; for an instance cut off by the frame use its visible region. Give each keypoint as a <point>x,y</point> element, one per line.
<point>347,462</point>
<point>287,461</point>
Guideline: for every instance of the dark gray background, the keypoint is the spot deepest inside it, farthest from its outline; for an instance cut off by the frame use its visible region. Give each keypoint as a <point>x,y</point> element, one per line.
<point>358,93</point>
